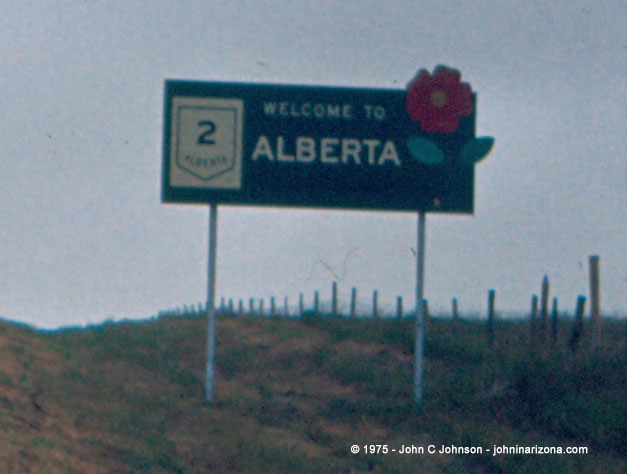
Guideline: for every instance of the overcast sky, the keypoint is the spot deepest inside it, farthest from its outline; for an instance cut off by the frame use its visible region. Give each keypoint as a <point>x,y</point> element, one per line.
<point>84,235</point>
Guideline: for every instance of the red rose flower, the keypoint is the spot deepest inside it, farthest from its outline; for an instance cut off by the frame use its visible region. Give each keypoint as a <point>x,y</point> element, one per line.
<point>438,101</point>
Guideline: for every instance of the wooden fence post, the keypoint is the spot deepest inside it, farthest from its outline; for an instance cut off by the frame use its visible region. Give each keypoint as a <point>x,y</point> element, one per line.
<point>272,306</point>
<point>455,313</point>
<point>353,302</point>
<point>241,307</point>
<point>554,317</point>
<point>316,302</point>
<point>577,332</point>
<point>534,317</point>
<point>399,308</point>
<point>334,299</point>
<point>251,307</point>
<point>301,305</point>
<point>491,317</point>
<point>260,306</point>
<point>595,309</point>
<point>231,306</point>
<point>544,309</point>
<point>375,303</point>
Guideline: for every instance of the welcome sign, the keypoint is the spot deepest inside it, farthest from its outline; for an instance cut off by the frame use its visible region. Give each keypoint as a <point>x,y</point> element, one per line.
<point>326,147</point>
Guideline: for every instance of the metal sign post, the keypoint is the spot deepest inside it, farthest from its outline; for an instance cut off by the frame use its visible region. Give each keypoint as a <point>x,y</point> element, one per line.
<point>211,309</point>
<point>420,309</point>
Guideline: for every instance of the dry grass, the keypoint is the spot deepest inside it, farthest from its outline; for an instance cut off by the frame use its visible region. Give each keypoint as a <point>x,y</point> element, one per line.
<point>293,396</point>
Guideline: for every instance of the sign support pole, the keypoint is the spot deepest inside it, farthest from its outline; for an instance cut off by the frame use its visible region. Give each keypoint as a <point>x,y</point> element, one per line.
<point>211,310</point>
<point>420,313</point>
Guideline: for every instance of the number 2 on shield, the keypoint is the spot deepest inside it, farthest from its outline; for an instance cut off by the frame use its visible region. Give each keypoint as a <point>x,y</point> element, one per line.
<point>203,138</point>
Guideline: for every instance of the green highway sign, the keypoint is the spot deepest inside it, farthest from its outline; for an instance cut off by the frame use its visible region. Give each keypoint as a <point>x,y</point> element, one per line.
<point>322,147</point>
<point>326,147</point>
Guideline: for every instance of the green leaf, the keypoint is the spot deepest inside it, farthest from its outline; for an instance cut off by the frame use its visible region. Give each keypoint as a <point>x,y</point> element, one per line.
<point>425,151</point>
<point>475,150</point>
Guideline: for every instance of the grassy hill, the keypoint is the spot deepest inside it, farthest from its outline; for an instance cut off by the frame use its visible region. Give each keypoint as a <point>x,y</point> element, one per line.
<point>294,395</point>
